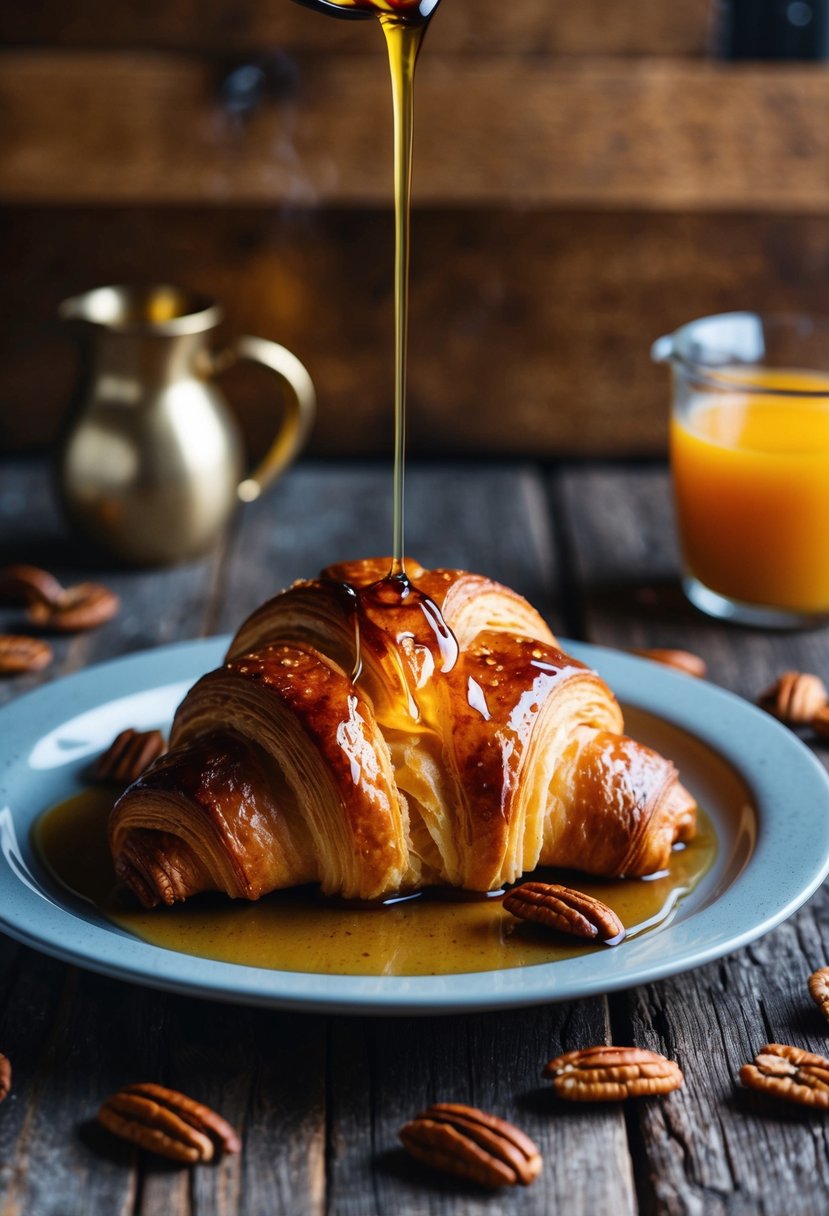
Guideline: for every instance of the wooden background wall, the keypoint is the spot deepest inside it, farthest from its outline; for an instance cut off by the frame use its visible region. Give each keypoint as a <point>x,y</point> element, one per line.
<point>587,177</point>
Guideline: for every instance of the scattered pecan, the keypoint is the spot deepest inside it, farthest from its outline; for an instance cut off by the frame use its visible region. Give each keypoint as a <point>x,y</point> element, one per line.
<point>167,1122</point>
<point>795,697</point>
<point>467,1142</point>
<point>5,1077</point>
<point>28,585</point>
<point>565,910</point>
<point>129,754</point>
<point>84,606</point>
<point>819,990</point>
<point>680,660</point>
<point>19,654</point>
<point>610,1074</point>
<point>789,1073</point>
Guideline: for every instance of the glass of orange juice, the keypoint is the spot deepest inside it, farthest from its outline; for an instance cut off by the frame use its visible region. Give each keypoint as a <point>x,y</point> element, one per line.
<point>750,465</point>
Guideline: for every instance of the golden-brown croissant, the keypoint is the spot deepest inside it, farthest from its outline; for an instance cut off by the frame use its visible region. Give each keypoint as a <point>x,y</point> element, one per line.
<point>380,734</point>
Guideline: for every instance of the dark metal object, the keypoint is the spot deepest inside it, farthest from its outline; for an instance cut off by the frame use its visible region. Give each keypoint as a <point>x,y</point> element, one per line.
<point>334,10</point>
<point>772,29</point>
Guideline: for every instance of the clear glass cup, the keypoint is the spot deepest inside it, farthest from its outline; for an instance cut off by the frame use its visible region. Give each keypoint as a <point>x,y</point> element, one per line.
<point>750,465</point>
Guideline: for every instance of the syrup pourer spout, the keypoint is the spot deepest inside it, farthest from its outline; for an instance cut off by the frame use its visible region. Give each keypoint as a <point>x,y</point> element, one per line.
<point>333,9</point>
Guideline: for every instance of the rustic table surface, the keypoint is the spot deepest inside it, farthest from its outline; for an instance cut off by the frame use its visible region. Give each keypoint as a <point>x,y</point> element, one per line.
<point>318,1099</point>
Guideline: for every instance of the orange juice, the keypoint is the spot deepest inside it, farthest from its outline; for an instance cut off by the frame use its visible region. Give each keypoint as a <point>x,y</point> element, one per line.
<point>751,481</point>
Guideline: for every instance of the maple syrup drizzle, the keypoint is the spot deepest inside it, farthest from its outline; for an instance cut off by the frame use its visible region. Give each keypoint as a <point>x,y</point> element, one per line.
<point>403,23</point>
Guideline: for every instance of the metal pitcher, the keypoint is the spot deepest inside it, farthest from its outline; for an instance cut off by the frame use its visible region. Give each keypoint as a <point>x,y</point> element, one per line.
<point>151,463</point>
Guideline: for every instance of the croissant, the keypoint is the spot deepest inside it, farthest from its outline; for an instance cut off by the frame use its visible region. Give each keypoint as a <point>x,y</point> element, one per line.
<point>377,735</point>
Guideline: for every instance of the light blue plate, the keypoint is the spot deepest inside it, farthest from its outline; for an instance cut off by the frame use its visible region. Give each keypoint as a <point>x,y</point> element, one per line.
<point>766,794</point>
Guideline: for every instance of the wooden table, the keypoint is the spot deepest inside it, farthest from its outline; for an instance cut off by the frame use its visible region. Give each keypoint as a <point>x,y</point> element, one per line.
<point>320,1099</point>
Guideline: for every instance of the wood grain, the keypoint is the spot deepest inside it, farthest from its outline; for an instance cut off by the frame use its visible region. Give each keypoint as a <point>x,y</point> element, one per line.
<point>319,1101</point>
<point>714,1147</point>
<point>640,27</point>
<point>318,1107</point>
<point>530,332</point>
<point>534,131</point>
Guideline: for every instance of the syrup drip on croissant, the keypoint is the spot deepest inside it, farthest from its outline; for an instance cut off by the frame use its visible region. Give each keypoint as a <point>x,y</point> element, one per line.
<point>380,734</point>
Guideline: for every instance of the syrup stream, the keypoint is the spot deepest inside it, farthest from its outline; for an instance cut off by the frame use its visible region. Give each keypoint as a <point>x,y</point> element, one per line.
<point>403,42</point>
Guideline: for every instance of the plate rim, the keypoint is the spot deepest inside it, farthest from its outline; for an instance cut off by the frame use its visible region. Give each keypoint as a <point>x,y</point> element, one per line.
<point>655,689</point>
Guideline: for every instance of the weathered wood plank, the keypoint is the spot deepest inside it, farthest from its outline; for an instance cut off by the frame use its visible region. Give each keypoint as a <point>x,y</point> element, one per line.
<point>714,1148</point>
<point>530,336</point>
<point>642,27</point>
<point>265,1072</point>
<point>384,1073</point>
<point>652,134</point>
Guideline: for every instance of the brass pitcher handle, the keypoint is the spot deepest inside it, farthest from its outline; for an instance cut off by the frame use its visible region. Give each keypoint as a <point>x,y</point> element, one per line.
<point>300,408</point>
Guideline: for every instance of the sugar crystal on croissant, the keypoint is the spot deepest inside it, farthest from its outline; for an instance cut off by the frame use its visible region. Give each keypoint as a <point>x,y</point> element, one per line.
<point>376,735</point>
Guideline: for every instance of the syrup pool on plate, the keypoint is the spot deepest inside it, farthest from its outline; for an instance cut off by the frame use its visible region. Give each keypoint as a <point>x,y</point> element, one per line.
<point>434,934</point>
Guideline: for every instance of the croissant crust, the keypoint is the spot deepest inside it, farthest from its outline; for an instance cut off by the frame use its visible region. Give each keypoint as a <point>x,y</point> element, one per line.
<point>377,735</point>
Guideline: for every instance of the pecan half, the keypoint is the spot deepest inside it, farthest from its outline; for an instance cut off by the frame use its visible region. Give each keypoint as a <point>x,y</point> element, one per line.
<point>680,660</point>
<point>819,990</point>
<point>167,1122</point>
<point>795,697</point>
<point>84,606</point>
<point>21,584</point>
<point>5,1077</point>
<point>471,1144</point>
<point>565,910</point>
<point>19,654</point>
<point>128,755</point>
<point>611,1074</point>
<point>789,1073</point>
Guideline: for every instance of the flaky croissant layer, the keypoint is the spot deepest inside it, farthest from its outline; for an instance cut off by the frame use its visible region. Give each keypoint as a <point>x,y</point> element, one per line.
<point>380,734</point>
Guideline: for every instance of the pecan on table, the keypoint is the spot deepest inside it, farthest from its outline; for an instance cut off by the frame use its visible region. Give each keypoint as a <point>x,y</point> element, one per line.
<point>129,754</point>
<point>819,990</point>
<point>471,1144</point>
<point>679,660</point>
<point>84,606</point>
<point>565,910</point>
<point>611,1074</point>
<point>21,584</point>
<point>795,697</point>
<point>789,1073</point>
<point>5,1077</point>
<point>167,1122</point>
<point>19,654</point>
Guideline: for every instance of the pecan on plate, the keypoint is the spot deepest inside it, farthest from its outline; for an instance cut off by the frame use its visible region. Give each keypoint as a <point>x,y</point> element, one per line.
<point>84,606</point>
<point>789,1073</point>
<point>819,990</point>
<point>795,697</point>
<point>19,654</point>
<point>168,1123</point>
<point>680,660</point>
<point>565,910</point>
<point>471,1144</point>
<point>5,1076</point>
<point>21,584</point>
<point>611,1074</point>
<point>129,754</point>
